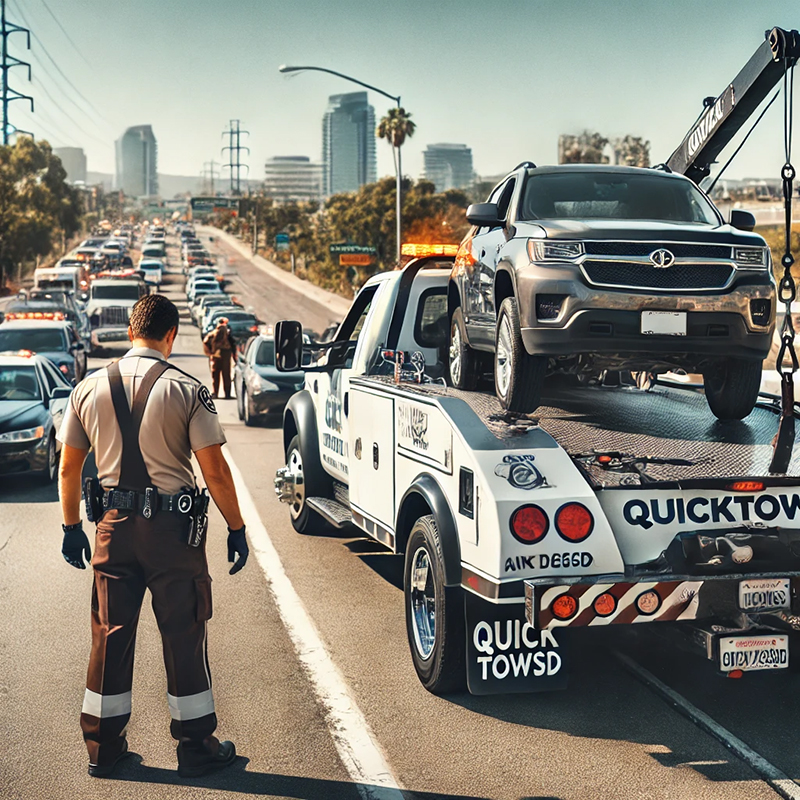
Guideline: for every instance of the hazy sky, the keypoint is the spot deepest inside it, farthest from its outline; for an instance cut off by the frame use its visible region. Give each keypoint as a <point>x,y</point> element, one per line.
<point>504,78</point>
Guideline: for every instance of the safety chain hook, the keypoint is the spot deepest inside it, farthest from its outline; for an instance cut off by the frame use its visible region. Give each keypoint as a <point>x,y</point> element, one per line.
<point>787,293</point>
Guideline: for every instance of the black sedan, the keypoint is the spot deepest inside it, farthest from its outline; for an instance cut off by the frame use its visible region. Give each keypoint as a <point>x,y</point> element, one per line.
<point>260,389</point>
<point>56,341</point>
<point>33,398</point>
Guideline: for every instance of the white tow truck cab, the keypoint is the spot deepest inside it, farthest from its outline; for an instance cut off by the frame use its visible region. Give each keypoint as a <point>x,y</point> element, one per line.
<point>613,506</point>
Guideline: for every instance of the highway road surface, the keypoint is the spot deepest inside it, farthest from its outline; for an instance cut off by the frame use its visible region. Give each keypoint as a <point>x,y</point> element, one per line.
<point>314,683</point>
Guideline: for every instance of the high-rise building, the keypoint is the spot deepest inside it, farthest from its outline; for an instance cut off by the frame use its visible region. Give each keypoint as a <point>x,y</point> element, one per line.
<point>348,144</point>
<point>73,159</point>
<point>137,167</point>
<point>290,178</point>
<point>449,166</point>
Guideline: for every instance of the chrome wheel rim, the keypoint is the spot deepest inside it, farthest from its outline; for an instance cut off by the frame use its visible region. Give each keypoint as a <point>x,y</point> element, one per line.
<point>295,464</point>
<point>423,603</point>
<point>503,357</point>
<point>455,355</point>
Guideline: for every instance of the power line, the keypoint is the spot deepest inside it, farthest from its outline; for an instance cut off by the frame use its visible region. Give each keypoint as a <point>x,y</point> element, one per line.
<point>69,38</point>
<point>9,62</point>
<point>234,158</point>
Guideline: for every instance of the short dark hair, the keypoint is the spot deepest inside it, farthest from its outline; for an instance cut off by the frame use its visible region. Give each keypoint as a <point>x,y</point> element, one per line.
<point>153,317</point>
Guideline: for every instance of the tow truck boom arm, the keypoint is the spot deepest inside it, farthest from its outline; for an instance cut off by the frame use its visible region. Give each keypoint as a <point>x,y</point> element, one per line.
<point>725,114</point>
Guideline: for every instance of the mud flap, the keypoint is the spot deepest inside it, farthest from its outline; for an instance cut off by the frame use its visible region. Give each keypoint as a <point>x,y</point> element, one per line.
<point>506,655</point>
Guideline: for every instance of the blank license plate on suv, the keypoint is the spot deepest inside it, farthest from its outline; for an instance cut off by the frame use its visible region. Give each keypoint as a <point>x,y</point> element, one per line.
<point>764,593</point>
<point>664,323</point>
<point>748,653</point>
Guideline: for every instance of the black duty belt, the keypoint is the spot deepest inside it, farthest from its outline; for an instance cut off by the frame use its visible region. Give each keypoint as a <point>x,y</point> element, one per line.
<point>148,502</point>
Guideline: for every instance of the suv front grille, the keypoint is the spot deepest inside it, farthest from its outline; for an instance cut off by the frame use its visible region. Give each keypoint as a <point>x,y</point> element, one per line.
<point>643,276</point>
<point>678,249</point>
<point>114,316</point>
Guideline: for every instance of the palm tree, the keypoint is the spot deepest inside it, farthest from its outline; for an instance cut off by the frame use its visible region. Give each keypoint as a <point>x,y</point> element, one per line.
<point>396,127</point>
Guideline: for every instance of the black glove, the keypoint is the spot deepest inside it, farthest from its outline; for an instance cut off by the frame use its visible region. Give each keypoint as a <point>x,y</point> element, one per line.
<point>76,546</point>
<point>237,545</point>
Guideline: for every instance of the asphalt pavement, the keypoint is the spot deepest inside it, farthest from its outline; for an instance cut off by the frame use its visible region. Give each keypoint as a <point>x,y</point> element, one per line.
<point>310,715</point>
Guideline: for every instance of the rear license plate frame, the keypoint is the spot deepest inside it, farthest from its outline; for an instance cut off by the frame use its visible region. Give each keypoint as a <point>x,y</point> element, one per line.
<point>754,653</point>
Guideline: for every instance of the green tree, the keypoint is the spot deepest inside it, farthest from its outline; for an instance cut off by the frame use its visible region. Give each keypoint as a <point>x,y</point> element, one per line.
<point>37,206</point>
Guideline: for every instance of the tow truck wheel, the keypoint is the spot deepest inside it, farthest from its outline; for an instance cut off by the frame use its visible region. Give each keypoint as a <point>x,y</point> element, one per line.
<point>304,520</point>
<point>731,387</point>
<point>434,613</point>
<point>518,376</point>
<point>463,363</point>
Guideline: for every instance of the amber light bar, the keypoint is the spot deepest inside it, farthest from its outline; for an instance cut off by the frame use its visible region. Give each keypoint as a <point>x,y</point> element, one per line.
<point>426,250</point>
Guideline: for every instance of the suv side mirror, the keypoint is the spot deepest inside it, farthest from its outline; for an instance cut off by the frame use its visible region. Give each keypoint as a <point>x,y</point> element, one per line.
<point>484,215</point>
<point>288,345</point>
<point>60,393</point>
<point>743,220</point>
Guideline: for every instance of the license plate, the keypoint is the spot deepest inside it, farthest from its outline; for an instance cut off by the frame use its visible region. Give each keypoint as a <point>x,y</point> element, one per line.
<point>764,593</point>
<point>664,323</point>
<point>749,653</point>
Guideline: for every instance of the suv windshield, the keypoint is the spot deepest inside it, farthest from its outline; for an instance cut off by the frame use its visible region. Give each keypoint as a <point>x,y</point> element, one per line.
<point>37,341</point>
<point>118,292</point>
<point>612,195</point>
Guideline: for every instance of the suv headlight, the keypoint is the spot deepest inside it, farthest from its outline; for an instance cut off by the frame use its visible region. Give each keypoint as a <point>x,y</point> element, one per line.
<point>27,435</point>
<point>554,250</point>
<point>757,257</point>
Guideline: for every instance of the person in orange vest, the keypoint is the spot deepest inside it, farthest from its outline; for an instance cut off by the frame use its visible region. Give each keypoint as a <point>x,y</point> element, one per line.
<point>219,346</point>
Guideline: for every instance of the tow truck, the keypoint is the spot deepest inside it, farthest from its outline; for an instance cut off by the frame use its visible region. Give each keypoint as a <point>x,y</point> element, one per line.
<point>614,505</point>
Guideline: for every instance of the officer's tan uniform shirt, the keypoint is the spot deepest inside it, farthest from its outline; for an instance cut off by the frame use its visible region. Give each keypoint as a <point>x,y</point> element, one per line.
<point>179,419</point>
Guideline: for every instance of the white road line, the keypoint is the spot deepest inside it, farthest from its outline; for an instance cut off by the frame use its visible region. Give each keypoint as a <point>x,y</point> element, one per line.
<point>778,780</point>
<point>359,751</point>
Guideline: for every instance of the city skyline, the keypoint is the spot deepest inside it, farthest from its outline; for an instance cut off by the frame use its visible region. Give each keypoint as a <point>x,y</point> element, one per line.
<point>598,81</point>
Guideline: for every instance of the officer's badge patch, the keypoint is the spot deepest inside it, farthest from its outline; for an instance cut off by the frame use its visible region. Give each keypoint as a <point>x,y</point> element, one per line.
<point>204,396</point>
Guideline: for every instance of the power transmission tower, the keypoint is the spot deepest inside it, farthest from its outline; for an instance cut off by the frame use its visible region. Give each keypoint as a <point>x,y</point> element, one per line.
<point>7,63</point>
<point>234,148</point>
<point>209,173</point>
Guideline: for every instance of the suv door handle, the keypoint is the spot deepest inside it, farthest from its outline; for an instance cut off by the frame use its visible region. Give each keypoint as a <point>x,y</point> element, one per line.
<point>483,252</point>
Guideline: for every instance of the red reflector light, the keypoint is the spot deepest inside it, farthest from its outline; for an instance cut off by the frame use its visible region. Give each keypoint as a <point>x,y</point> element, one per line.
<point>603,459</point>
<point>746,486</point>
<point>564,606</point>
<point>574,522</point>
<point>735,673</point>
<point>529,524</point>
<point>605,604</point>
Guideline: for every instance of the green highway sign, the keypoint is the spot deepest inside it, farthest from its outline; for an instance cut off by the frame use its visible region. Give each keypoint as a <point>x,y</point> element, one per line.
<point>344,248</point>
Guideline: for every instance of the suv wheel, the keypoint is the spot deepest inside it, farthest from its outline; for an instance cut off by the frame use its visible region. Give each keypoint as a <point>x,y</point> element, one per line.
<point>518,376</point>
<point>463,362</point>
<point>732,387</point>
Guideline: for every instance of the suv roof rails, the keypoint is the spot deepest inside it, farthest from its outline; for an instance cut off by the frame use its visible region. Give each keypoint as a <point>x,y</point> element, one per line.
<point>526,164</point>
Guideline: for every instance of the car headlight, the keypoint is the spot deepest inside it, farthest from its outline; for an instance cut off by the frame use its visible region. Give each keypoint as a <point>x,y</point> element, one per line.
<point>757,257</point>
<point>554,250</point>
<point>27,435</point>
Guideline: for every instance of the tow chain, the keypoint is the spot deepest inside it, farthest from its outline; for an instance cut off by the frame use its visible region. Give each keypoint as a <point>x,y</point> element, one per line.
<point>783,444</point>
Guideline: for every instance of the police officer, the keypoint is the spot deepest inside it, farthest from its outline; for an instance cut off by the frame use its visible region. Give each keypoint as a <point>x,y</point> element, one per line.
<point>143,418</point>
<point>219,346</point>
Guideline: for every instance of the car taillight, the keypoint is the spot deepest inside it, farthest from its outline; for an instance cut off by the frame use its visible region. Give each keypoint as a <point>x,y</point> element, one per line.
<point>746,486</point>
<point>254,328</point>
<point>574,522</point>
<point>564,607</point>
<point>529,524</point>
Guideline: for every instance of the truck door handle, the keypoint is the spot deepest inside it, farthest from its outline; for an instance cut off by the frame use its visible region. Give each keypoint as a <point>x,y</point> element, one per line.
<point>375,459</point>
<point>483,252</point>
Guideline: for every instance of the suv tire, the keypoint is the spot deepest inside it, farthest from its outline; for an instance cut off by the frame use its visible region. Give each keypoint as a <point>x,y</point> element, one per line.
<point>518,376</point>
<point>463,363</point>
<point>731,387</point>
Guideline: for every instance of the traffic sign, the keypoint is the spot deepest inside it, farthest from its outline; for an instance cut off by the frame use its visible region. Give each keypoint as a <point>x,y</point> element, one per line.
<point>343,247</point>
<point>355,259</point>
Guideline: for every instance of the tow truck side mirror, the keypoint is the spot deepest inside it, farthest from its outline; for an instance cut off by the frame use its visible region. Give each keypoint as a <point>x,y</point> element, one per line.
<point>484,215</point>
<point>743,220</point>
<point>288,345</point>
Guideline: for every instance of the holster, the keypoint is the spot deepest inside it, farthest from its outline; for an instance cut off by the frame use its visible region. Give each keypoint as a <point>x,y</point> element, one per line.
<point>93,499</point>
<point>198,518</point>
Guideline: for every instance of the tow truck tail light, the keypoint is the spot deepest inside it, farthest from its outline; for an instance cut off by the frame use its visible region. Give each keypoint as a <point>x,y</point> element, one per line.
<point>605,604</point>
<point>529,524</point>
<point>574,522</point>
<point>565,606</point>
<point>746,486</point>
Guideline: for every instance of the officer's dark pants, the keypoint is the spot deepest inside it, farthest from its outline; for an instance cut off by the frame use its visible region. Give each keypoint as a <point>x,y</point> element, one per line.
<point>221,367</point>
<point>132,554</point>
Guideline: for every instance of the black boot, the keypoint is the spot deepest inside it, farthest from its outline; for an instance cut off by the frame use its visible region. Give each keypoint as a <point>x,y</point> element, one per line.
<point>198,757</point>
<point>105,770</point>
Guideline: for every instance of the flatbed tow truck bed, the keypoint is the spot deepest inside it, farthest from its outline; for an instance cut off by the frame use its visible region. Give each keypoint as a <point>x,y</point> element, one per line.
<point>599,420</point>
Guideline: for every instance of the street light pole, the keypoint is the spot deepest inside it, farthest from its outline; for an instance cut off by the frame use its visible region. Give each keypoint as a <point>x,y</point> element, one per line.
<point>398,166</point>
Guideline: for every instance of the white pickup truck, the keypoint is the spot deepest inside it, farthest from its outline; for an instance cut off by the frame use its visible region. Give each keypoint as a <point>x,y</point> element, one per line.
<point>613,506</point>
